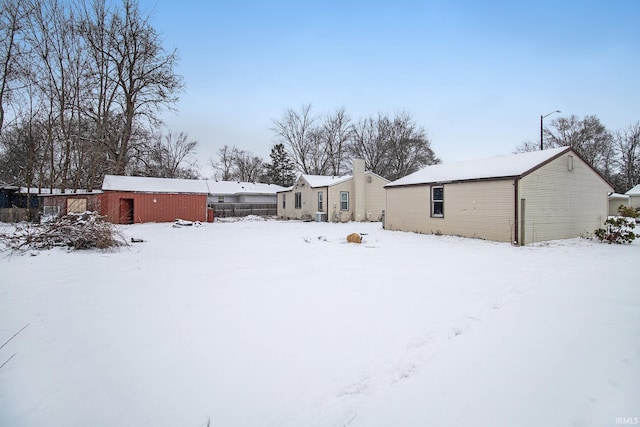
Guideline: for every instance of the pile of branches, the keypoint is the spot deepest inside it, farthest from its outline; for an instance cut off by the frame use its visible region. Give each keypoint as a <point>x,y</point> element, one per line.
<point>75,231</point>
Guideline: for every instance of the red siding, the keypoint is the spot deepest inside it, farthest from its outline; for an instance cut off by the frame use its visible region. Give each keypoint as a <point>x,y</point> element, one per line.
<point>155,207</point>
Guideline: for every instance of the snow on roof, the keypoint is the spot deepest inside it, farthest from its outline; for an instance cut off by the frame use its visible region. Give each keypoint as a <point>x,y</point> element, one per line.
<point>510,165</point>
<point>234,187</point>
<point>618,196</point>
<point>57,191</point>
<point>154,185</point>
<point>635,191</point>
<point>324,180</point>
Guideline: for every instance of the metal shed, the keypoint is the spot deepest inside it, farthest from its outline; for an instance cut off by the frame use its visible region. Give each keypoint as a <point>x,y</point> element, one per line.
<point>128,200</point>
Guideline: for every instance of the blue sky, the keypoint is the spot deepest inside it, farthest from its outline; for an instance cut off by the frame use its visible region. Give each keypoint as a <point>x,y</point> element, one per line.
<point>476,75</point>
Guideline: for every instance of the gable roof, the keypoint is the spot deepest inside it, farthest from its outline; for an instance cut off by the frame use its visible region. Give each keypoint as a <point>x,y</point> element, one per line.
<point>325,181</point>
<point>316,181</point>
<point>235,187</point>
<point>501,167</point>
<point>154,185</point>
<point>635,191</point>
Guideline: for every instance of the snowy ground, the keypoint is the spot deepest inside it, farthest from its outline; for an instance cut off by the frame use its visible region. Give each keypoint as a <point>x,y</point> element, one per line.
<point>266,323</point>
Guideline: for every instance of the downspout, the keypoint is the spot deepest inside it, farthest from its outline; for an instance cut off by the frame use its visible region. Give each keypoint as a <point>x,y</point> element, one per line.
<point>516,230</point>
<point>326,204</point>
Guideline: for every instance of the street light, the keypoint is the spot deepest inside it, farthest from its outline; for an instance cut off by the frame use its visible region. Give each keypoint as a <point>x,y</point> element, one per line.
<point>541,119</point>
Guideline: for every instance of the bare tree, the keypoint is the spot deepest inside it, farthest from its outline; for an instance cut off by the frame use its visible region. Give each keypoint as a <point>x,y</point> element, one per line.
<point>56,71</point>
<point>237,165</point>
<point>588,137</point>
<point>143,72</point>
<point>167,155</point>
<point>247,167</point>
<point>295,131</point>
<point>409,148</point>
<point>367,142</point>
<point>178,149</point>
<point>101,92</point>
<point>22,153</point>
<point>318,155</point>
<point>528,146</point>
<point>90,78</point>
<point>393,147</point>
<point>223,168</point>
<point>13,14</point>
<point>335,132</point>
<point>627,143</point>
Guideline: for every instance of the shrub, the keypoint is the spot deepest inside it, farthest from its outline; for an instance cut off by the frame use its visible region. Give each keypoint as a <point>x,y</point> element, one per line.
<point>628,212</point>
<point>617,230</point>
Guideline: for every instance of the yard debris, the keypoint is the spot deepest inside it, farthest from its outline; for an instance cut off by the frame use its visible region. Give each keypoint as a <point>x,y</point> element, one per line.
<point>86,230</point>
<point>354,238</point>
<point>184,223</point>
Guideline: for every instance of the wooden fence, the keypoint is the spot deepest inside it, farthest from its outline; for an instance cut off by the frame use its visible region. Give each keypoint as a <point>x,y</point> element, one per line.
<point>19,215</point>
<point>225,210</point>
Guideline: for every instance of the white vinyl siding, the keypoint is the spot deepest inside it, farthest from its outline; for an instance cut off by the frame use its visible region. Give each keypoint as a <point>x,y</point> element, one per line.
<point>480,209</point>
<point>562,203</point>
<point>374,200</point>
<point>375,196</point>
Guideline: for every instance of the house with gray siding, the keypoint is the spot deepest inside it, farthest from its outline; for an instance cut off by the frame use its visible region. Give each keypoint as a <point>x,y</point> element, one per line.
<point>518,198</point>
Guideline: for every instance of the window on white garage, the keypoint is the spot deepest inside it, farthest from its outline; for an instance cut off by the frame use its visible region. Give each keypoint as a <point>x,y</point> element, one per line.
<point>437,202</point>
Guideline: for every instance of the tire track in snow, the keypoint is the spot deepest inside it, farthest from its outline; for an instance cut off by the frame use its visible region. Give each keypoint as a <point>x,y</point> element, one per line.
<point>339,406</point>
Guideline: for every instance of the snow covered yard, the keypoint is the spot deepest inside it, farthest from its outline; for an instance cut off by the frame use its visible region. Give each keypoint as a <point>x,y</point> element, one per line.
<point>268,323</point>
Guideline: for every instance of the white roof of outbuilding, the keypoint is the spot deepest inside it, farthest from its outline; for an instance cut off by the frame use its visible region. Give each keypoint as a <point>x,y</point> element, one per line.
<point>185,186</point>
<point>57,191</point>
<point>635,191</point>
<point>618,196</point>
<point>511,165</point>
<point>234,187</point>
<point>154,185</point>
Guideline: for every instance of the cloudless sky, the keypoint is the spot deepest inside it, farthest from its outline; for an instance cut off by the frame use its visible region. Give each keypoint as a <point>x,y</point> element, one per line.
<point>476,75</point>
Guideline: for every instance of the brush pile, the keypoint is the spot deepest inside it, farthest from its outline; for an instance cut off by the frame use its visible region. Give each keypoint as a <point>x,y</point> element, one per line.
<point>74,231</point>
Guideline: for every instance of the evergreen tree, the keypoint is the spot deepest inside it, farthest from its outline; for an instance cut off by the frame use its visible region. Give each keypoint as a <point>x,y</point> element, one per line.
<point>281,170</point>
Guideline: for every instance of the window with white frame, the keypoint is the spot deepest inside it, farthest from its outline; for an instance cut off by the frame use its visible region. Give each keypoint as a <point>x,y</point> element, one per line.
<point>298,200</point>
<point>437,201</point>
<point>344,200</point>
<point>320,204</point>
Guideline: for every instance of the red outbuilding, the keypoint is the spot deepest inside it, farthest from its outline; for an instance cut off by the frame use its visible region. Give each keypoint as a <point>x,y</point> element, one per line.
<point>128,199</point>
